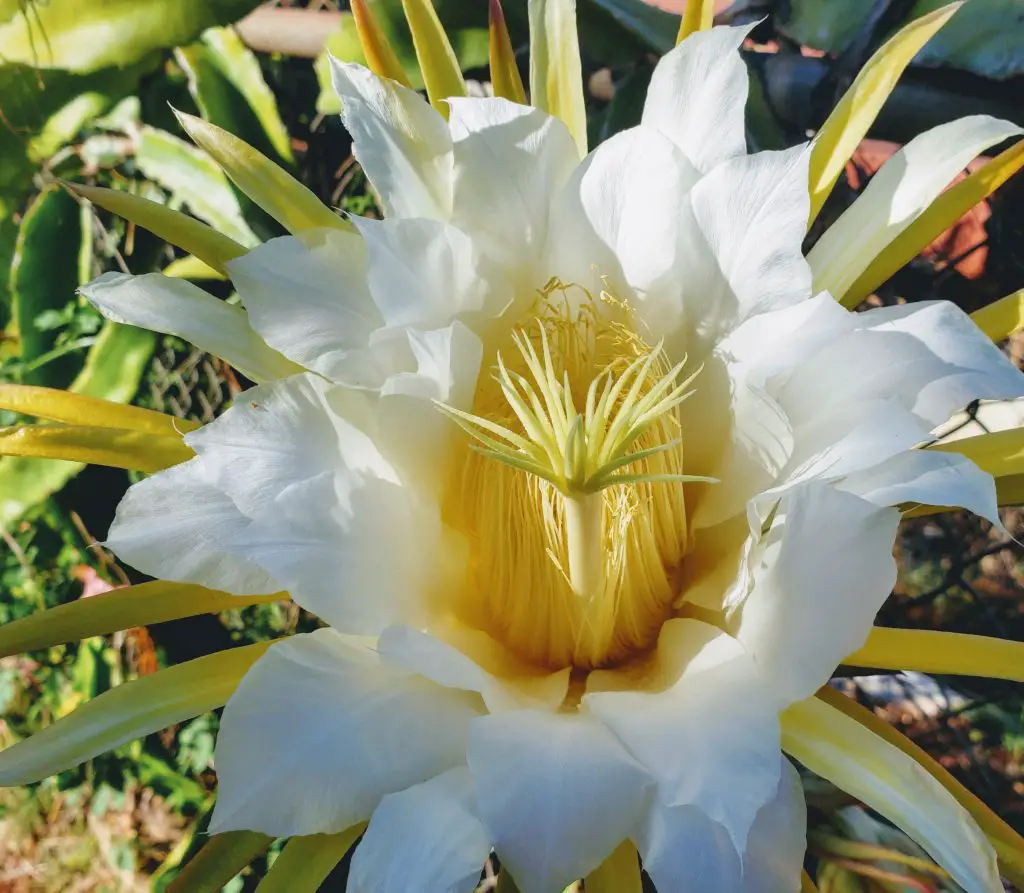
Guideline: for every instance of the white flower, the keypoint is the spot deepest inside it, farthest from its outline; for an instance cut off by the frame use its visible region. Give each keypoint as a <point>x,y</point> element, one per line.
<point>587,482</point>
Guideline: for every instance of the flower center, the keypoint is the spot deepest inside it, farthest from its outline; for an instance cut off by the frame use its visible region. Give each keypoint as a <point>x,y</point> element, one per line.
<point>571,492</point>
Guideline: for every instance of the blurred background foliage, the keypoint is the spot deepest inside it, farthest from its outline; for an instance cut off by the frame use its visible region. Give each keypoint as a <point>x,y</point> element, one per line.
<point>87,89</point>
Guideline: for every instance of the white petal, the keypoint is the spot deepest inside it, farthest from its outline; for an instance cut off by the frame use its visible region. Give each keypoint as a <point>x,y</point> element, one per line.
<point>424,273</point>
<point>176,307</point>
<point>308,297</point>
<point>176,525</point>
<point>319,731</point>
<point>330,520</point>
<point>698,95</point>
<point>757,447</point>
<point>841,750</point>
<point>897,195</point>
<point>778,839</point>
<point>413,433</point>
<point>558,794</point>
<point>425,838</point>
<point>359,552</point>
<point>929,355</point>
<point>287,432</point>
<point>770,345</point>
<point>400,141</point>
<point>837,440</point>
<point>742,251</point>
<point>747,446</point>
<point>710,739</point>
<point>927,478</point>
<point>477,663</point>
<point>826,569</point>
<point>510,159</point>
<point>684,851</point>
<point>602,221</point>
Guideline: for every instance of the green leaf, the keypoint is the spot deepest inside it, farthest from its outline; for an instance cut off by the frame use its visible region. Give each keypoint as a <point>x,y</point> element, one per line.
<point>226,81</point>
<point>984,37</point>
<point>43,110</point>
<point>626,107</point>
<point>193,179</point>
<point>112,371</point>
<point>44,277</point>
<point>86,35</point>
<point>652,28</point>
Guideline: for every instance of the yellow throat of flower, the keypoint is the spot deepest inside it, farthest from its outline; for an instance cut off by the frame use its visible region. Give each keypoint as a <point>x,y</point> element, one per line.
<point>571,492</point>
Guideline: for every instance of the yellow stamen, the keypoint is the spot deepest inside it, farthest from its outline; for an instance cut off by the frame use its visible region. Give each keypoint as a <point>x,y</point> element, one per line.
<point>574,562</point>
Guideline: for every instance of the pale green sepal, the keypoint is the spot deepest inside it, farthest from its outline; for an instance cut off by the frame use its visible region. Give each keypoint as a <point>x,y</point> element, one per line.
<point>850,119</point>
<point>556,76</point>
<point>1004,317</point>
<point>142,605</point>
<point>305,862</point>
<point>438,63</point>
<point>844,752</point>
<point>268,185</point>
<point>219,861</point>
<point>179,229</point>
<point>127,712</point>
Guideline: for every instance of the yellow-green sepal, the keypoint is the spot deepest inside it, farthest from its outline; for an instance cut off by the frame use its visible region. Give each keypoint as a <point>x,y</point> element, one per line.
<point>380,57</point>
<point>268,185</point>
<point>118,609</point>
<point>505,76</point>
<point>698,15</point>
<point>932,651</point>
<point>556,76</point>
<point>114,447</point>
<point>179,229</point>
<point>79,409</point>
<point>438,63</point>
<point>305,862</point>
<point>1004,317</point>
<point>946,210</point>
<point>218,861</point>
<point>129,711</point>
<point>1009,845</point>
<point>619,873</point>
<point>850,119</point>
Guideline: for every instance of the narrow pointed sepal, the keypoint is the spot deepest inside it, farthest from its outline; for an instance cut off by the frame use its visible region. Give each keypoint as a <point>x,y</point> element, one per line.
<point>438,63</point>
<point>141,605</point>
<point>889,780</point>
<point>380,57</point>
<point>1009,845</point>
<point>179,229</point>
<point>556,75</point>
<point>305,862</point>
<point>57,405</point>
<point>505,78</point>
<point>619,873</point>
<point>113,447</point>
<point>137,708</point>
<point>943,653</point>
<point>1002,318</point>
<point>860,105</point>
<point>699,15</point>
<point>219,860</point>
<point>268,185</point>
<point>945,211</point>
